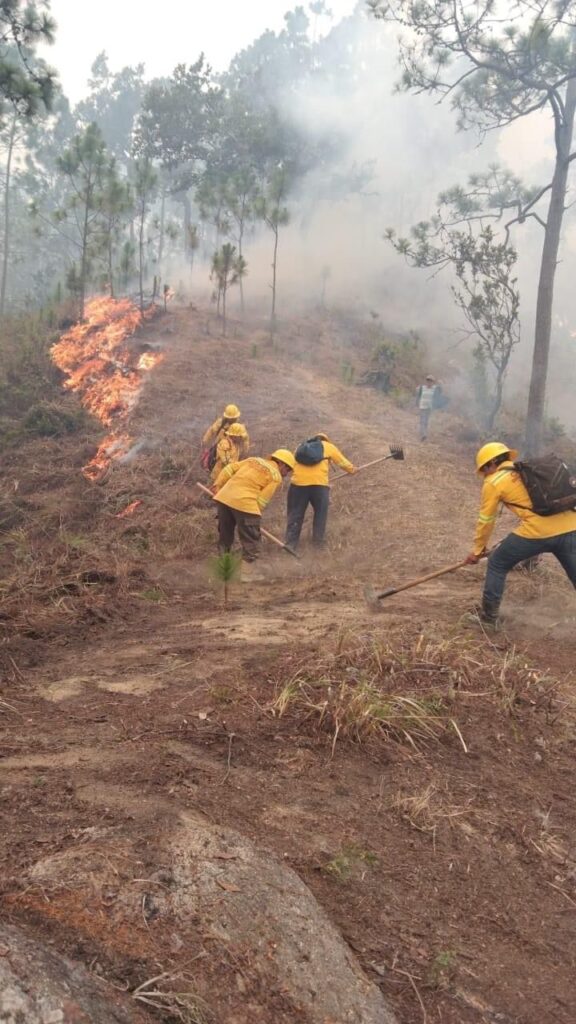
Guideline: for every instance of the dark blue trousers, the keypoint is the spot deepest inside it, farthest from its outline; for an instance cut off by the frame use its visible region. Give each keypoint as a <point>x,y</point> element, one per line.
<point>298,500</point>
<point>515,549</point>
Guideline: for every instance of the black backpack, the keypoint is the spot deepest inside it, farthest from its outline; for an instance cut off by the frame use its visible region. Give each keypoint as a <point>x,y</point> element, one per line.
<point>551,484</point>
<point>310,452</point>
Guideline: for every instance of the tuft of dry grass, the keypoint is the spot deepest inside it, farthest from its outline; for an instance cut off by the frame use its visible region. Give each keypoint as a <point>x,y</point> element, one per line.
<point>405,687</point>
<point>170,994</point>
<point>430,808</point>
<point>360,710</point>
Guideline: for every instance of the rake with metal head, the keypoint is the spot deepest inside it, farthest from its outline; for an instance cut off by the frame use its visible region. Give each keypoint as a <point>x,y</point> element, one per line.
<point>396,452</point>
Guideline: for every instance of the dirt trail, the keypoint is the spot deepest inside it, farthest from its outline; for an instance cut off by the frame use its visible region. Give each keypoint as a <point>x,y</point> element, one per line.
<point>460,912</point>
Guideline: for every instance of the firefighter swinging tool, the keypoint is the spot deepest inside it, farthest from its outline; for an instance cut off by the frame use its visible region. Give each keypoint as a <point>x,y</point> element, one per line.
<point>265,533</point>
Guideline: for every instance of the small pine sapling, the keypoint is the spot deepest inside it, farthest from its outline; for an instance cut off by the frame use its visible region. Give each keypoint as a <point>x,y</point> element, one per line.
<point>226,569</point>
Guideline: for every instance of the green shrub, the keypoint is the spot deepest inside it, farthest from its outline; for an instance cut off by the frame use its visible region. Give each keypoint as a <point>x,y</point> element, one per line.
<point>47,419</point>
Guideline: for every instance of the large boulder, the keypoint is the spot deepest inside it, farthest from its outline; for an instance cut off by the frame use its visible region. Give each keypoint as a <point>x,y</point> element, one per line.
<point>252,940</point>
<point>259,908</point>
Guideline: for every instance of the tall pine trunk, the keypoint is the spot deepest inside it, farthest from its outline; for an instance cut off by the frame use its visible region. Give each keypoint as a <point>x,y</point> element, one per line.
<point>543,327</point>
<point>274,265</point>
<point>111,263</point>
<point>7,239</point>
<point>162,230</point>
<point>141,255</point>
<point>84,245</point>
<point>240,241</point>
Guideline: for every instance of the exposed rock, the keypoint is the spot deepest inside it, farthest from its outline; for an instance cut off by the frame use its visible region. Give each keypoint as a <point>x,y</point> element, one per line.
<point>256,905</point>
<point>38,986</point>
<point>256,926</point>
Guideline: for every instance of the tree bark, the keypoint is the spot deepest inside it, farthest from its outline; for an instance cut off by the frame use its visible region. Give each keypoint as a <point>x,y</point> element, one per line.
<point>161,232</point>
<point>141,254</point>
<point>240,241</point>
<point>84,250</point>
<point>544,304</point>
<point>110,262</point>
<point>6,247</point>
<point>274,264</point>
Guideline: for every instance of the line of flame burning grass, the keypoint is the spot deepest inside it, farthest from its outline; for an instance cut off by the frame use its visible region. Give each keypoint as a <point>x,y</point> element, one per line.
<point>103,370</point>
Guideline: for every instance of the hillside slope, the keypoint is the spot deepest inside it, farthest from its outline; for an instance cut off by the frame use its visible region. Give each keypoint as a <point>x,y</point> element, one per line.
<point>444,855</point>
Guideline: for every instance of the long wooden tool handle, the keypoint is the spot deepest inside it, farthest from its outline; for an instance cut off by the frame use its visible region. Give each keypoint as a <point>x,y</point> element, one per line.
<point>270,536</point>
<point>365,466</point>
<point>422,579</point>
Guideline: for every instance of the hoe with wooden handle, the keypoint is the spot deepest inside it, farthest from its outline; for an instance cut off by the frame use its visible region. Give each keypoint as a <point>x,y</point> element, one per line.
<point>396,452</point>
<point>266,533</point>
<point>373,596</point>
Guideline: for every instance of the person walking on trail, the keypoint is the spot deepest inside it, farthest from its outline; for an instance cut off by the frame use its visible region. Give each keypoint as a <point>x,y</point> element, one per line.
<point>536,534</point>
<point>217,429</point>
<point>231,447</point>
<point>428,397</point>
<point>243,490</point>
<point>310,486</point>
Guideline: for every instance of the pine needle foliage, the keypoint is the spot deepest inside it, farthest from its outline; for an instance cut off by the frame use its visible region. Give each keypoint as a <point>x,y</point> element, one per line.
<point>226,569</point>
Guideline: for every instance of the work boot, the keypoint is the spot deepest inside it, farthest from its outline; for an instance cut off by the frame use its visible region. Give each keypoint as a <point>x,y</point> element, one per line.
<point>489,612</point>
<point>485,614</point>
<point>250,573</point>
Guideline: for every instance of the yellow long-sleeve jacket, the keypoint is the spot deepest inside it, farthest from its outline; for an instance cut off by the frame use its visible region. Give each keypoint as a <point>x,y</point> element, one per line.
<point>228,449</point>
<point>319,474</point>
<point>506,487</point>
<point>248,486</point>
<point>216,430</point>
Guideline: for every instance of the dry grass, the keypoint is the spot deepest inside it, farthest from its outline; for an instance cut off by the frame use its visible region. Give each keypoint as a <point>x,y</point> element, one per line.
<point>180,534</point>
<point>359,712</point>
<point>170,994</point>
<point>62,567</point>
<point>550,842</point>
<point>431,808</point>
<point>405,688</point>
<point>359,709</point>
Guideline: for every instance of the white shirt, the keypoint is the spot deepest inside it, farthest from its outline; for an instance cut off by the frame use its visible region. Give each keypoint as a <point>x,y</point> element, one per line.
<point>427,396</point>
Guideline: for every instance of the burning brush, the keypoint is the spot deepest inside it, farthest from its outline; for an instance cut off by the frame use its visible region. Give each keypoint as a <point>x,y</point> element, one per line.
<point>107,373</point>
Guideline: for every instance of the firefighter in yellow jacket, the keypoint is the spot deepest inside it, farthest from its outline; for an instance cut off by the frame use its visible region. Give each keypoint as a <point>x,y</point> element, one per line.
<point>243,490</point>
<point>217,429</point>
<point>310,486</point>
<point>535,535</point>
<point>232,447</point>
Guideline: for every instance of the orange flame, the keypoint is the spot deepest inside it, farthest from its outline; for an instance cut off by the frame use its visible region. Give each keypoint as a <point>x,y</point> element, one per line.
<point>128,510</point>
<point>112,447</point>
<point>106,372</point>
<point>148,360</point>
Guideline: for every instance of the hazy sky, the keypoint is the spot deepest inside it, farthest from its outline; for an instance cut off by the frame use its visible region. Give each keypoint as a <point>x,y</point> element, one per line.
<point>160,35</point>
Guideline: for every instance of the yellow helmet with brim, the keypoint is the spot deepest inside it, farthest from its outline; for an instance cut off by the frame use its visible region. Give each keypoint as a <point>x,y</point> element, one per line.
<point>231,412</point>
<point>491,451</point>
<point>285,456</point>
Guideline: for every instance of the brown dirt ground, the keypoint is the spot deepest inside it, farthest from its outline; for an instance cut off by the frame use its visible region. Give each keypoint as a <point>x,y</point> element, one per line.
<point>131,700</point>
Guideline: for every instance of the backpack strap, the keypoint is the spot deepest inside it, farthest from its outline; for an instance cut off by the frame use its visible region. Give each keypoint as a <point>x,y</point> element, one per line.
<point>511,504</point>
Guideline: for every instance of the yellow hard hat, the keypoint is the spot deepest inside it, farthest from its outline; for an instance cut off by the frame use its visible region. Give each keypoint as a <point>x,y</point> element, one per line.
<point>491,451</point>
<point>231,412</point>
<point>283,455</point>
<point>236,430</point>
